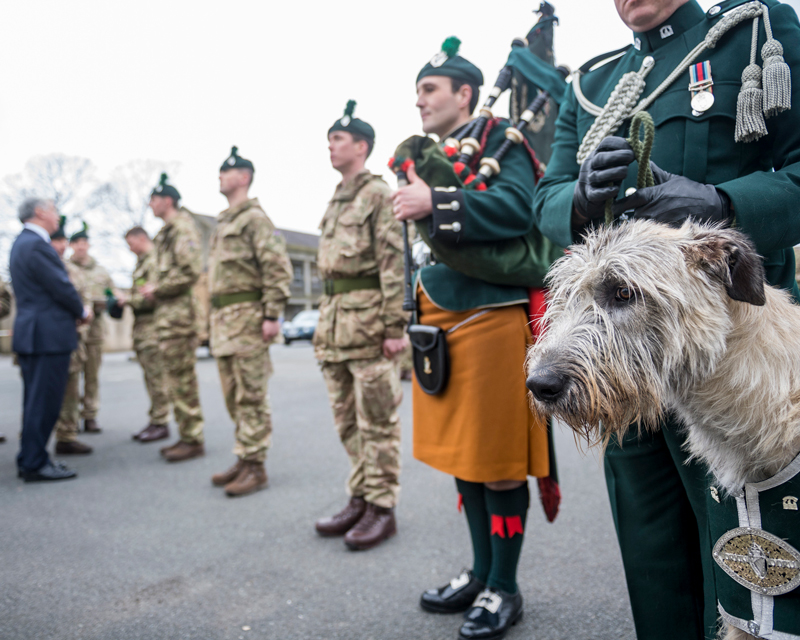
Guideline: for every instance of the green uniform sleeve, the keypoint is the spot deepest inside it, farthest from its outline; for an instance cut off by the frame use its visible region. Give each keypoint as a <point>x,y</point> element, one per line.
<point>185,266</point>
<point>269,249</point>
<point>552,202</point>
<point>766,202</point>
<point>388,234</point>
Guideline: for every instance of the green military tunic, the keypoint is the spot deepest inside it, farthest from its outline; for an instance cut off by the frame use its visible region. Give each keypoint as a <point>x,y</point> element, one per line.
<point>658,500</point>
<point>499,213</point>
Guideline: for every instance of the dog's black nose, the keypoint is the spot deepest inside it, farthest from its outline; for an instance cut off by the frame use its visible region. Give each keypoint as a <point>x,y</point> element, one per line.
<point>546,385</point>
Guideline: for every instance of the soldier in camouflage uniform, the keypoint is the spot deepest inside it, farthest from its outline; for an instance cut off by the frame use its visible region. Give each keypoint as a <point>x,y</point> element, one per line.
<point>179,262</point>
<point>145,336</point>
<point>96,280</point>
<point>5,309</point>
<point>249,276</point>
<point>68,424</point>
<point>360,332</point>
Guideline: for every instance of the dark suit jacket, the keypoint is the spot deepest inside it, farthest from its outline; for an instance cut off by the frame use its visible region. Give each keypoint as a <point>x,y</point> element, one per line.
<point>47,303</point>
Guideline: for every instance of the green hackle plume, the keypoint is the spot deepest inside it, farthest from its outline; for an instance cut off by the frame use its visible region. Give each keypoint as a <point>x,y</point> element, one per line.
<point>163,180</point>
<point>62,220</point>
<point>450,46</point>
<point>85,226</point>
<point>350,108</point>
<point>234,151</point>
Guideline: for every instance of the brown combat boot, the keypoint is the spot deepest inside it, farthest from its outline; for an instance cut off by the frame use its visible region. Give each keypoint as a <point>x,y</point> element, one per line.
<point>376,525</point>
<point>221,479</point>
<point>72,448</point>
<point>184,451</point>
<point>90,426</point>
<point>340,523</point>
<point>154,432</point>
<point>252,477</point>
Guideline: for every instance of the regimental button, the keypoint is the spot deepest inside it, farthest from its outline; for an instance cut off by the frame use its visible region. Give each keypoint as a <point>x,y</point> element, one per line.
<point>455,205</point>
<point>456,227</point>
<point>714,10</point>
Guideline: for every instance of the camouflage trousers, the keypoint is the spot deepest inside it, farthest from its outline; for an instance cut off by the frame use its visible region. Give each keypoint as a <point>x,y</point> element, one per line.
<point>364,396</point>
<point>91,380</point>
<point>67,427</point>
<point>244,378</point>
<point>178,356</point>
<point>149,358</point>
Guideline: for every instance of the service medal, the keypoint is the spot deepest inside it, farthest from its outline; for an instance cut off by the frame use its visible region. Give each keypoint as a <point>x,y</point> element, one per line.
<point>702,101</point>
<point>701,87</point>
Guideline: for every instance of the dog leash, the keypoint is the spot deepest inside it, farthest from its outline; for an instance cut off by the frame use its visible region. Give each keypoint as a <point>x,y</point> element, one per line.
<point>641,137</point>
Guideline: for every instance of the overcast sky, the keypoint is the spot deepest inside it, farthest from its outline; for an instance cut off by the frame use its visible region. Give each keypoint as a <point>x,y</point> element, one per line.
<point>175,80</point>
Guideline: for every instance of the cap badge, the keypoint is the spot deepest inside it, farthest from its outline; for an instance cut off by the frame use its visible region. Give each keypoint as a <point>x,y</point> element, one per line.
<point>439,59</point>
<point>231,161</point>
<point>159,189</point>
<point>345,121</point>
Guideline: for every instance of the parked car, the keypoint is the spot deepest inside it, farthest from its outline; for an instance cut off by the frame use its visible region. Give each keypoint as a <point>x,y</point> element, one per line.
<point>301,327</point>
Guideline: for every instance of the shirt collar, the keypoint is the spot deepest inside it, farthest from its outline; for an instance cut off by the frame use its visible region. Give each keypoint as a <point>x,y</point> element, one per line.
<point>349,190</point>
<point>685,17</point>
<point>39,231</point>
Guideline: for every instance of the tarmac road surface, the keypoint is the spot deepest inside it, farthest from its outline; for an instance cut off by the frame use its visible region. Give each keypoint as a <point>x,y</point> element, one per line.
<point>136,548</point>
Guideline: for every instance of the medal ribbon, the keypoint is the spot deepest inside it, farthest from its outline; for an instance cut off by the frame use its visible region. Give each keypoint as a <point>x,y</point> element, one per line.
<point>700,76</point>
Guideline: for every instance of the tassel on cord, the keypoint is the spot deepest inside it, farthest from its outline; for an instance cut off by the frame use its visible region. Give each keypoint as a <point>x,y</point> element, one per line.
<point>750,125</point>
<point>777,78</point>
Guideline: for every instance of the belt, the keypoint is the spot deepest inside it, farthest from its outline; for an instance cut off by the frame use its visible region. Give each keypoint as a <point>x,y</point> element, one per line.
<point>343,285</point>
<point>233,298</point>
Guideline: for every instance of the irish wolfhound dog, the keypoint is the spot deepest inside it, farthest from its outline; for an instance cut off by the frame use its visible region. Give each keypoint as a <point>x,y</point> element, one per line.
<point>644,319</point>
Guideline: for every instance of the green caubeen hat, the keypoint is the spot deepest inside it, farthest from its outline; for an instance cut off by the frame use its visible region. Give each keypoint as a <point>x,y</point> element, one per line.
<point>235,161</point>
<point>82,234</point>
<point>165,189</point>
<point>448,63</point>
<point>352,125</point>
<point>59,233</point>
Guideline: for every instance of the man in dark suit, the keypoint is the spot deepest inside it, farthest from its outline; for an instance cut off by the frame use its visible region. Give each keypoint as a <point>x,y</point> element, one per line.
<point>48,309</point>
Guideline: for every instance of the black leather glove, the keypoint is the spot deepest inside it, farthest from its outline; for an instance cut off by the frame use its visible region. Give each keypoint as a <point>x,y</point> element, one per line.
<point>674,199</point>
<point>599,179</point>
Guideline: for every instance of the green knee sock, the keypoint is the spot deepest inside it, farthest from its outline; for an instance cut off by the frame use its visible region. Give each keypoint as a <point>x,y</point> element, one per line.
<point>507,512</point>
<point>472,497</point>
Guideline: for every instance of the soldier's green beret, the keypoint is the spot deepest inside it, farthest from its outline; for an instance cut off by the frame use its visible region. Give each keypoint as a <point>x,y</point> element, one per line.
<point>82,234</point>
<point>166,190</point>
<point>59,233</point>
<point>352,125</point>
<point>235,161</point>
<point>448,63</point>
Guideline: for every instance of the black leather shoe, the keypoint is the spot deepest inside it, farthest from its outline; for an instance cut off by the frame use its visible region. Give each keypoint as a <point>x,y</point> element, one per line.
<point>492,614</point>
<point>454,597</point>
<point>49,472</point>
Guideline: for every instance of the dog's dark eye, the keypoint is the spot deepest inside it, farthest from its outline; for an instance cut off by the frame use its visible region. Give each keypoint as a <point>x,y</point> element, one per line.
<point>624,294</point>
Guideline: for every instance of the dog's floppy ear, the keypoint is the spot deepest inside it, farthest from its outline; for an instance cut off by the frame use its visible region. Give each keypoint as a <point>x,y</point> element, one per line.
<point>730,256</point>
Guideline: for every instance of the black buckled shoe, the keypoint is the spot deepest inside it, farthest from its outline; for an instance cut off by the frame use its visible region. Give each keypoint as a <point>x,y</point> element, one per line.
<point>454,597</point>
<point>492,614</point>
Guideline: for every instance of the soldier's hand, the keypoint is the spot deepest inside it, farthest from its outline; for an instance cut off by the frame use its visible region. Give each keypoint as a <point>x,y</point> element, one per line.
<point>88,315</point>
<point>269,329</point>
<point>599,179</point>
<point>674,199</point>
<point>393,346</point>
<point>148,291</point>
<point>414,201</point>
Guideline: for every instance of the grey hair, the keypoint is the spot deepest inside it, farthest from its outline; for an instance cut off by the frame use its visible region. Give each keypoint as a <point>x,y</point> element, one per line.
<point>27,209</point>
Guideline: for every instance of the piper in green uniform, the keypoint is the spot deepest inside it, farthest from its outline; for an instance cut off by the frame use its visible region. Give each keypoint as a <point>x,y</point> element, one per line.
<point>478,428</point>
<point>716,159</point>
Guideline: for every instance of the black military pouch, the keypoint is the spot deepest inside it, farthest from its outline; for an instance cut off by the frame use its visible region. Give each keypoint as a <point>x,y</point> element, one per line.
<point>431,359</point>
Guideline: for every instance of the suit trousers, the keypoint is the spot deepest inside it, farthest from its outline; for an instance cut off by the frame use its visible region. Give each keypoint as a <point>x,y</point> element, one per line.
<point>44,377</point>
<point>659,506</point>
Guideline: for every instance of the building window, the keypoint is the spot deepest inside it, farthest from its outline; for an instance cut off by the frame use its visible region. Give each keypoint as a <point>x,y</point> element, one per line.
<point>297,280</point>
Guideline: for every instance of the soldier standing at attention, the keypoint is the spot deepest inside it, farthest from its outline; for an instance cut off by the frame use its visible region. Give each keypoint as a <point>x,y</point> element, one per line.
<point>249,276</point>
<point>145,336</point>
<point>478,428</point>
<point>96,280</point>
<point>722,89</point>
<point>360,331</point>
<point>68,424</point>
<point>178,264</point>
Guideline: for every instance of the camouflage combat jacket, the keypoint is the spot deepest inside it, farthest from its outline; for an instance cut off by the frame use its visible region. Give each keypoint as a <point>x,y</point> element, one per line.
<point>360,238</point>
<point>144,321</point>
<point>247,255</point>
<point>5,300</point>
<point>96,280</point>
<point>179,261</point>
<point>78,278</point>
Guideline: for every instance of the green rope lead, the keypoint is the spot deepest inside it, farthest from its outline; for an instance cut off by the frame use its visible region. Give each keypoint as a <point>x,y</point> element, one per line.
<point>642,123</point>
